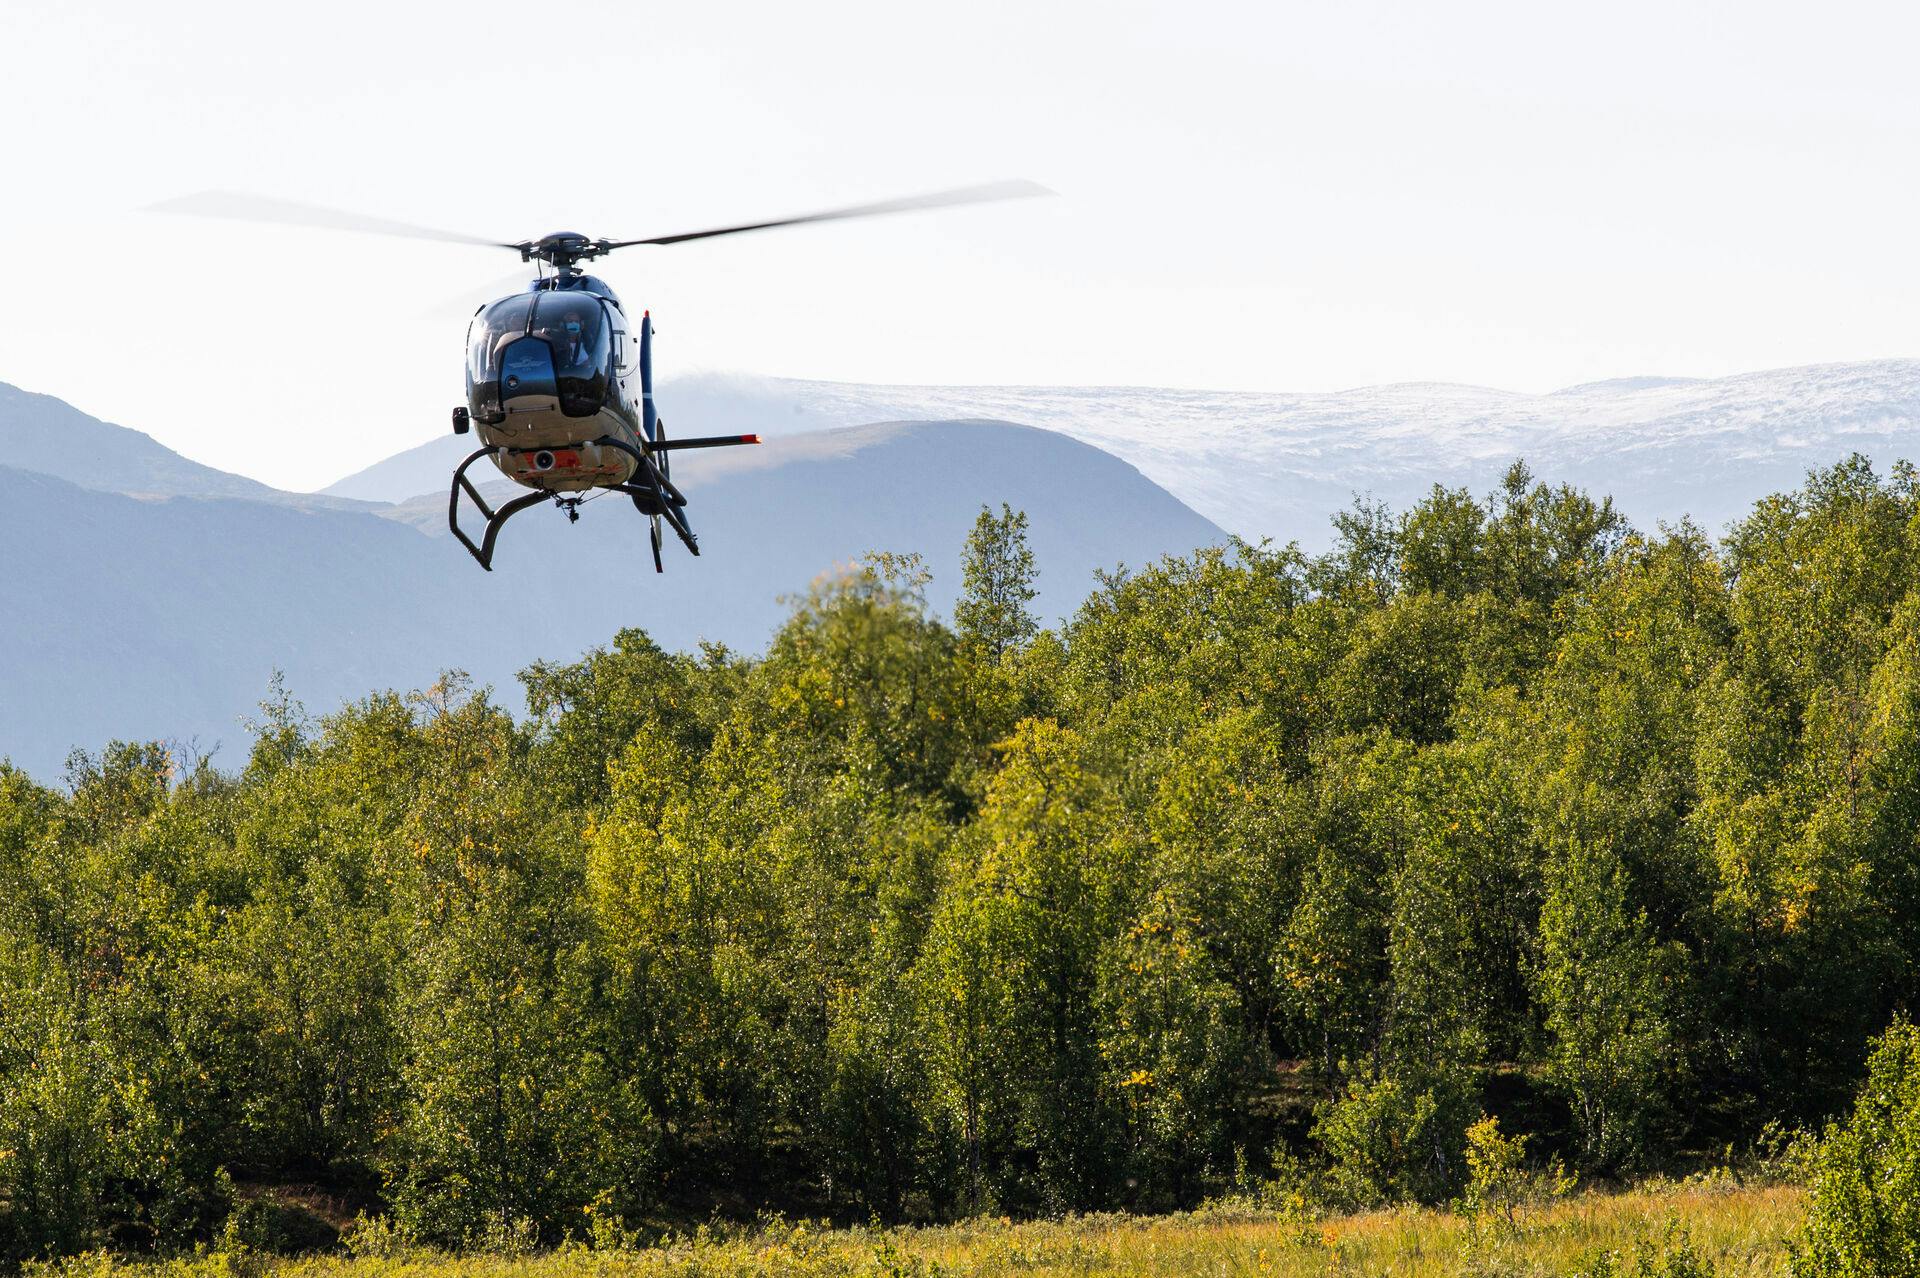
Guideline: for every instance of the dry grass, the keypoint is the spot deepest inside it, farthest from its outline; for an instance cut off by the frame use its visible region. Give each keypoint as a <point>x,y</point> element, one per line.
<point>1740,1231</point>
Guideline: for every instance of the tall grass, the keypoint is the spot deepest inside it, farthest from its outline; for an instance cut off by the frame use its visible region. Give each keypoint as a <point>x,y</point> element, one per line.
<point>1734,1231</point>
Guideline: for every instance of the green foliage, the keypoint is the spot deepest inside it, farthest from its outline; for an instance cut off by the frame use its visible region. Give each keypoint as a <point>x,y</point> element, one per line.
<point>1052,885</point>
<point>1259,860</point>
<point>1496,1171</point>
<point>997,584</point>
<point>1175,1051</point>
<point>1499,1182</point>
<point>1677,1257</point>
<point>1605,987</point>
<point>1389,1141</point>
<point>1866,1192</point>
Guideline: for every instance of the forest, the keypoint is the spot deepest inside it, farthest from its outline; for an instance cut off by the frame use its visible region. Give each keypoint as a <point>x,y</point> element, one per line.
<point>1262,867</point>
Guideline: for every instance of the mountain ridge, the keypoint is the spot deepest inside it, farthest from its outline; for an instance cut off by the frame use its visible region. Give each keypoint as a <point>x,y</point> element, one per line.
<point>166,616</point>
<point>49,436</point>
<point>1280,465</point>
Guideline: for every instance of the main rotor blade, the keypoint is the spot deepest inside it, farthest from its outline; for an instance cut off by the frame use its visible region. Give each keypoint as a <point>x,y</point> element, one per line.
<point>462,305</point>
<point>261,208</point>
<point>1014,190</point>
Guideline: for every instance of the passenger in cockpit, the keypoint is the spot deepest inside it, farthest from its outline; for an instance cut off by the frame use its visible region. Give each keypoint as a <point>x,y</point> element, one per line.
<point>575,353</point>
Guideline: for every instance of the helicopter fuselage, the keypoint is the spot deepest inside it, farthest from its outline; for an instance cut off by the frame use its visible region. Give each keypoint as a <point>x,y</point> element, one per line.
<point>553,373</point>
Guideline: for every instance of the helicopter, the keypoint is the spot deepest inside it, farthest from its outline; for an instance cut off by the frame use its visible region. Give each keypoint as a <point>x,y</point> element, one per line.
<point>559,376</point>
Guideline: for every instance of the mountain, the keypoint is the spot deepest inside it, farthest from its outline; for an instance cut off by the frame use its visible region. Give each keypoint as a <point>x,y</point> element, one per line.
<point>164,617</point>
<point>164,614</point>
<point>51,437</point>
<point>1280,465</point>
<point>159,619</point>
<point>771,519</point>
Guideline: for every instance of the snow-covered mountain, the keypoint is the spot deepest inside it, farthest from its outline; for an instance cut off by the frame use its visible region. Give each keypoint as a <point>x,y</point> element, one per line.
<point>1279,465</point>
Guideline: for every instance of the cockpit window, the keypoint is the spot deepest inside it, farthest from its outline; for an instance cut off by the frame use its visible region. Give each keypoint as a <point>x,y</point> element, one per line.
<point>570,326</point>
<point>490,332</point>
<point>575,327</point>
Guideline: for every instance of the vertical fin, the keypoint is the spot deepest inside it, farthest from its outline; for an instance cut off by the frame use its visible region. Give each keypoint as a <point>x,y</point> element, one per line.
<point>646,374</point>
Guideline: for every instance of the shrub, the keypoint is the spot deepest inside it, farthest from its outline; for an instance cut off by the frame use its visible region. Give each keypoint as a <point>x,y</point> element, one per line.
<point>1497,1179</point>
<point>1865,1218</point>
<point>1391,1143</point>
<point>1677,1259</point>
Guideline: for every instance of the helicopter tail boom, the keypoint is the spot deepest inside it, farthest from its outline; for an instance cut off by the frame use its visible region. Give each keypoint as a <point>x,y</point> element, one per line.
<point>704,441</point>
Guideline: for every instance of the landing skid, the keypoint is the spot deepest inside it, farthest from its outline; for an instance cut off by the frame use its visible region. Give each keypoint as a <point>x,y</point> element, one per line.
<point>496,519</point>
<point>655,495</point>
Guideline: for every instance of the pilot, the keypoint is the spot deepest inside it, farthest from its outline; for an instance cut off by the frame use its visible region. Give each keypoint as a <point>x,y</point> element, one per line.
<point>574,352</point>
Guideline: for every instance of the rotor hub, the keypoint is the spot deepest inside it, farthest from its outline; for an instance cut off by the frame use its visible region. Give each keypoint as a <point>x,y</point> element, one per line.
<point>562,249</point>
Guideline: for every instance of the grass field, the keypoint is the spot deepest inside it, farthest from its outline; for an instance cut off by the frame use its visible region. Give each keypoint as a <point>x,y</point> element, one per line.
<point>1736,1231</point>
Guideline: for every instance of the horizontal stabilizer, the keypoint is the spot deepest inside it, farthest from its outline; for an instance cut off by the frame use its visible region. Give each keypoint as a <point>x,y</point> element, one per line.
<point>704,441</point>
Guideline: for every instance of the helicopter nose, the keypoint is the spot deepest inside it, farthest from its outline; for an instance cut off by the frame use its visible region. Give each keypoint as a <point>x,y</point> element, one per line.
<point>526,368</point>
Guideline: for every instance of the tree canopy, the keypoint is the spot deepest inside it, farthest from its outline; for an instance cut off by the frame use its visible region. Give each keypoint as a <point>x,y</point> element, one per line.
<point>1500,807</point>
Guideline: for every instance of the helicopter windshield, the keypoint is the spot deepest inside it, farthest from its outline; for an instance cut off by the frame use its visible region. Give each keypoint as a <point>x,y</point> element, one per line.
<point>490,332</point>
<point>488,336</point>
<point>575,328</point>
<point>567,326</point>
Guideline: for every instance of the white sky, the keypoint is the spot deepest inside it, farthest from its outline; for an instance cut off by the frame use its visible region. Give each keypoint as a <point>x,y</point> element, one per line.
<point>1277,196</point>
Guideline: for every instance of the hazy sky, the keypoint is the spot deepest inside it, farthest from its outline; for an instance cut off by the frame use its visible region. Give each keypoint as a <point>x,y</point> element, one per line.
<point>1275,196</point>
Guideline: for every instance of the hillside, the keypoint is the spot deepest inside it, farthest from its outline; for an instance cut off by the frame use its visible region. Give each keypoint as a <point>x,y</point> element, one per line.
<point>772,518</point>
<point>1279,465</point>
<point>165,617</point>
<point>50,436</point>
